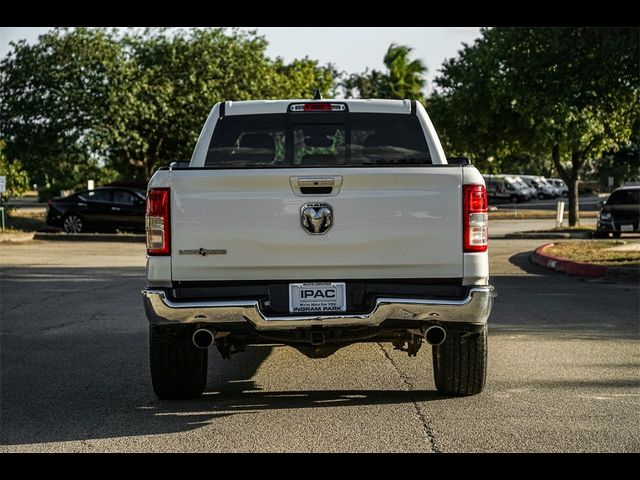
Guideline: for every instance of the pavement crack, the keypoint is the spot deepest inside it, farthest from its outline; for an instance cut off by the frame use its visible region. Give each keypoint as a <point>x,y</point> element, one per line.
<point>93,317</point>
<point>422,418</point>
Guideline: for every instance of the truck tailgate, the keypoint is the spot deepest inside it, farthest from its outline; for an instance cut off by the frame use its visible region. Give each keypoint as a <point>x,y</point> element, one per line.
<point>387,223</point>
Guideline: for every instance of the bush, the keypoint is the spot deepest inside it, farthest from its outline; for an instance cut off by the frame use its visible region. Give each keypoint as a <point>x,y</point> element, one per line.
<point>17,178</point>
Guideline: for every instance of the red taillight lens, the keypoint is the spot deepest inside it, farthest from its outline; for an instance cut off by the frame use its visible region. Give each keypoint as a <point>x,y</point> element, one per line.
<point>317,107</point>
<point>475,218</point>
<point>157,222</point>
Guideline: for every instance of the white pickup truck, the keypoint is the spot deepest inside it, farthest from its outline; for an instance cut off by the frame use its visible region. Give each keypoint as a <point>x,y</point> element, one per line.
<point>317,224</point>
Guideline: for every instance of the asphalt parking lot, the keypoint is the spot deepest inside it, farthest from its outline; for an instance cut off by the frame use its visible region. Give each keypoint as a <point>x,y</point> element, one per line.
<point>564,371</point>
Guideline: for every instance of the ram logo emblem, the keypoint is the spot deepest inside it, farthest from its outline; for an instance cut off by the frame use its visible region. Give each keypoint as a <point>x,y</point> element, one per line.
<point>316,218</point>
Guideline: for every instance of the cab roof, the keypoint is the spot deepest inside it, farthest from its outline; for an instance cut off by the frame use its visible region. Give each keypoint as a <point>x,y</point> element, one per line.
<point>251,107</point>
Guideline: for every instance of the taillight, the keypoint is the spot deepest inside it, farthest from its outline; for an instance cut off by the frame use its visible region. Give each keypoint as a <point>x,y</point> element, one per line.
<point>157,222</point>
<point>317,107</point>
<point>475,218</point>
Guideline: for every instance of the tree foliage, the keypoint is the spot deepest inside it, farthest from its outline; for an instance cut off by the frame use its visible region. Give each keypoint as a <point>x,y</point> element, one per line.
<point>83,99</point>
<point>404,78</point>
<point>568,94</point>
<point>623,165</point>
<point>53,96</point>
<point>17,180</point>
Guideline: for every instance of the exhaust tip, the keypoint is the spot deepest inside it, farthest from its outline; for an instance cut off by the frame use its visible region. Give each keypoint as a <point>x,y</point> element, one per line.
<point>202,338</point>
<point>435,335</point>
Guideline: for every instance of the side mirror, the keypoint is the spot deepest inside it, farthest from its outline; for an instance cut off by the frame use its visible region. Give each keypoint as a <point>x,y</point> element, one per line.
<point>601,203</point>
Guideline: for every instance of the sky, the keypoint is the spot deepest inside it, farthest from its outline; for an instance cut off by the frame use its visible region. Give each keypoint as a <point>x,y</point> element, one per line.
<point>351,49</point>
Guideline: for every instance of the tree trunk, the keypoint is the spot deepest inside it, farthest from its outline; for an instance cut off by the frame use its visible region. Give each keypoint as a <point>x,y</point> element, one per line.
<point>574,202</point>
<point>574,199</point>
<point>148,168</point>
<point>572,180</point>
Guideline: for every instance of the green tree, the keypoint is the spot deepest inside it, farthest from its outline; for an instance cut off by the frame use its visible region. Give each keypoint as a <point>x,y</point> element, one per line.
<point>404,78</point>
<point>623,165</point>
<point>17,180</point>
<point>471,118</point>
<point>81,100</point>
<point>168,84</point>
<point>53,96</point>
<point>566,93</point>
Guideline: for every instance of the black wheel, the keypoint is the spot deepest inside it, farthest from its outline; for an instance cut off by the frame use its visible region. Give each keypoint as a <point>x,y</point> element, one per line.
<point>541,196</point>
<point>178,367</point>
<point>73,223</point>
<point>601,234</point>
<point>460,363</point>
<point>616,234</point>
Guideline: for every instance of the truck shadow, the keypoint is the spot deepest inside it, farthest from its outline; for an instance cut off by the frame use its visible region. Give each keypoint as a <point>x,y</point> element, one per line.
<point>55,397</point>
<point>75,365</point>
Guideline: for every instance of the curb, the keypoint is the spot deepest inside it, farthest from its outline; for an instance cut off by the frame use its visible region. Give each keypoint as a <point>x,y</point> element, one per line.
<point>6,237</point>
<point>90,237</point>
<point>567,266</point>
<point>549,236</point>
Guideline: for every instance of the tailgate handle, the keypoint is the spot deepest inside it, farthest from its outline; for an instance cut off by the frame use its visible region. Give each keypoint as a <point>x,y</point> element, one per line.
<point>316,182</point>
<point>329,185</point>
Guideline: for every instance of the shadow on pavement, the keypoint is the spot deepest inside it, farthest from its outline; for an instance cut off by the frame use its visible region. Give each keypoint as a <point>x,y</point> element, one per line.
<point>523,261</point>
<point>74,353</point>
<point>74,358</point>
<point>78,389</point>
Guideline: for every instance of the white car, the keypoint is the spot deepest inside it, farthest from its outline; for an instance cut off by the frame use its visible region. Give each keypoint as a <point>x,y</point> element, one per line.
<point>543,188</point>
<point>317,224</point>
<point>560,185</point>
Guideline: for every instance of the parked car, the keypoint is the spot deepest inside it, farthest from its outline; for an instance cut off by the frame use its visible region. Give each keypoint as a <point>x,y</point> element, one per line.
<point>620,213</point>
<point>560,185</point>
<point>531,191</point>
<point>506,188</point>
<point>542,187</point>
<point>107,208</point>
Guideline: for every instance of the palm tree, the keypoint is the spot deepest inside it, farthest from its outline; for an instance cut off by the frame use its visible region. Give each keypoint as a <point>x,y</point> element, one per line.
<point>404,78</point>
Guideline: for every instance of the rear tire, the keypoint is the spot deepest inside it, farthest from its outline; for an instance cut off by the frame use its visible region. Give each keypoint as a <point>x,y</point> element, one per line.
<point>460,363</point>
<point>178,367</point>
<point>616,234</point>
<point>73,223</point>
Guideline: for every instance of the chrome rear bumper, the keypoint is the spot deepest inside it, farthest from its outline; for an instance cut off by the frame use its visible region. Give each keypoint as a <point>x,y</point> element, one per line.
<point>474,309</point>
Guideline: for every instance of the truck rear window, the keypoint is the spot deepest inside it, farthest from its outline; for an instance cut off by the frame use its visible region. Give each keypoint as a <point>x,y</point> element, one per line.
<point>317,140</point>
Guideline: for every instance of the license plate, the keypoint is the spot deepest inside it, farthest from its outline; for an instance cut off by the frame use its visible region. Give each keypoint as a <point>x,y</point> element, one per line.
<point>317,297</point>
<point>626,228</point>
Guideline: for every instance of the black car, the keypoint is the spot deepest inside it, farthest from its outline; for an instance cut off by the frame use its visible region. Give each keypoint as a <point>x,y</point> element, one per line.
<point>620,213</point>
<point>107,208</point>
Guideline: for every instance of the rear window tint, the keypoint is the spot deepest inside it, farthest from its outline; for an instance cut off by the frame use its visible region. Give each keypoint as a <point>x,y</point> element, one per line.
<point>388,140</point>
<point>248,141</point>
<point>316,140</point>
<point>624,197</point>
